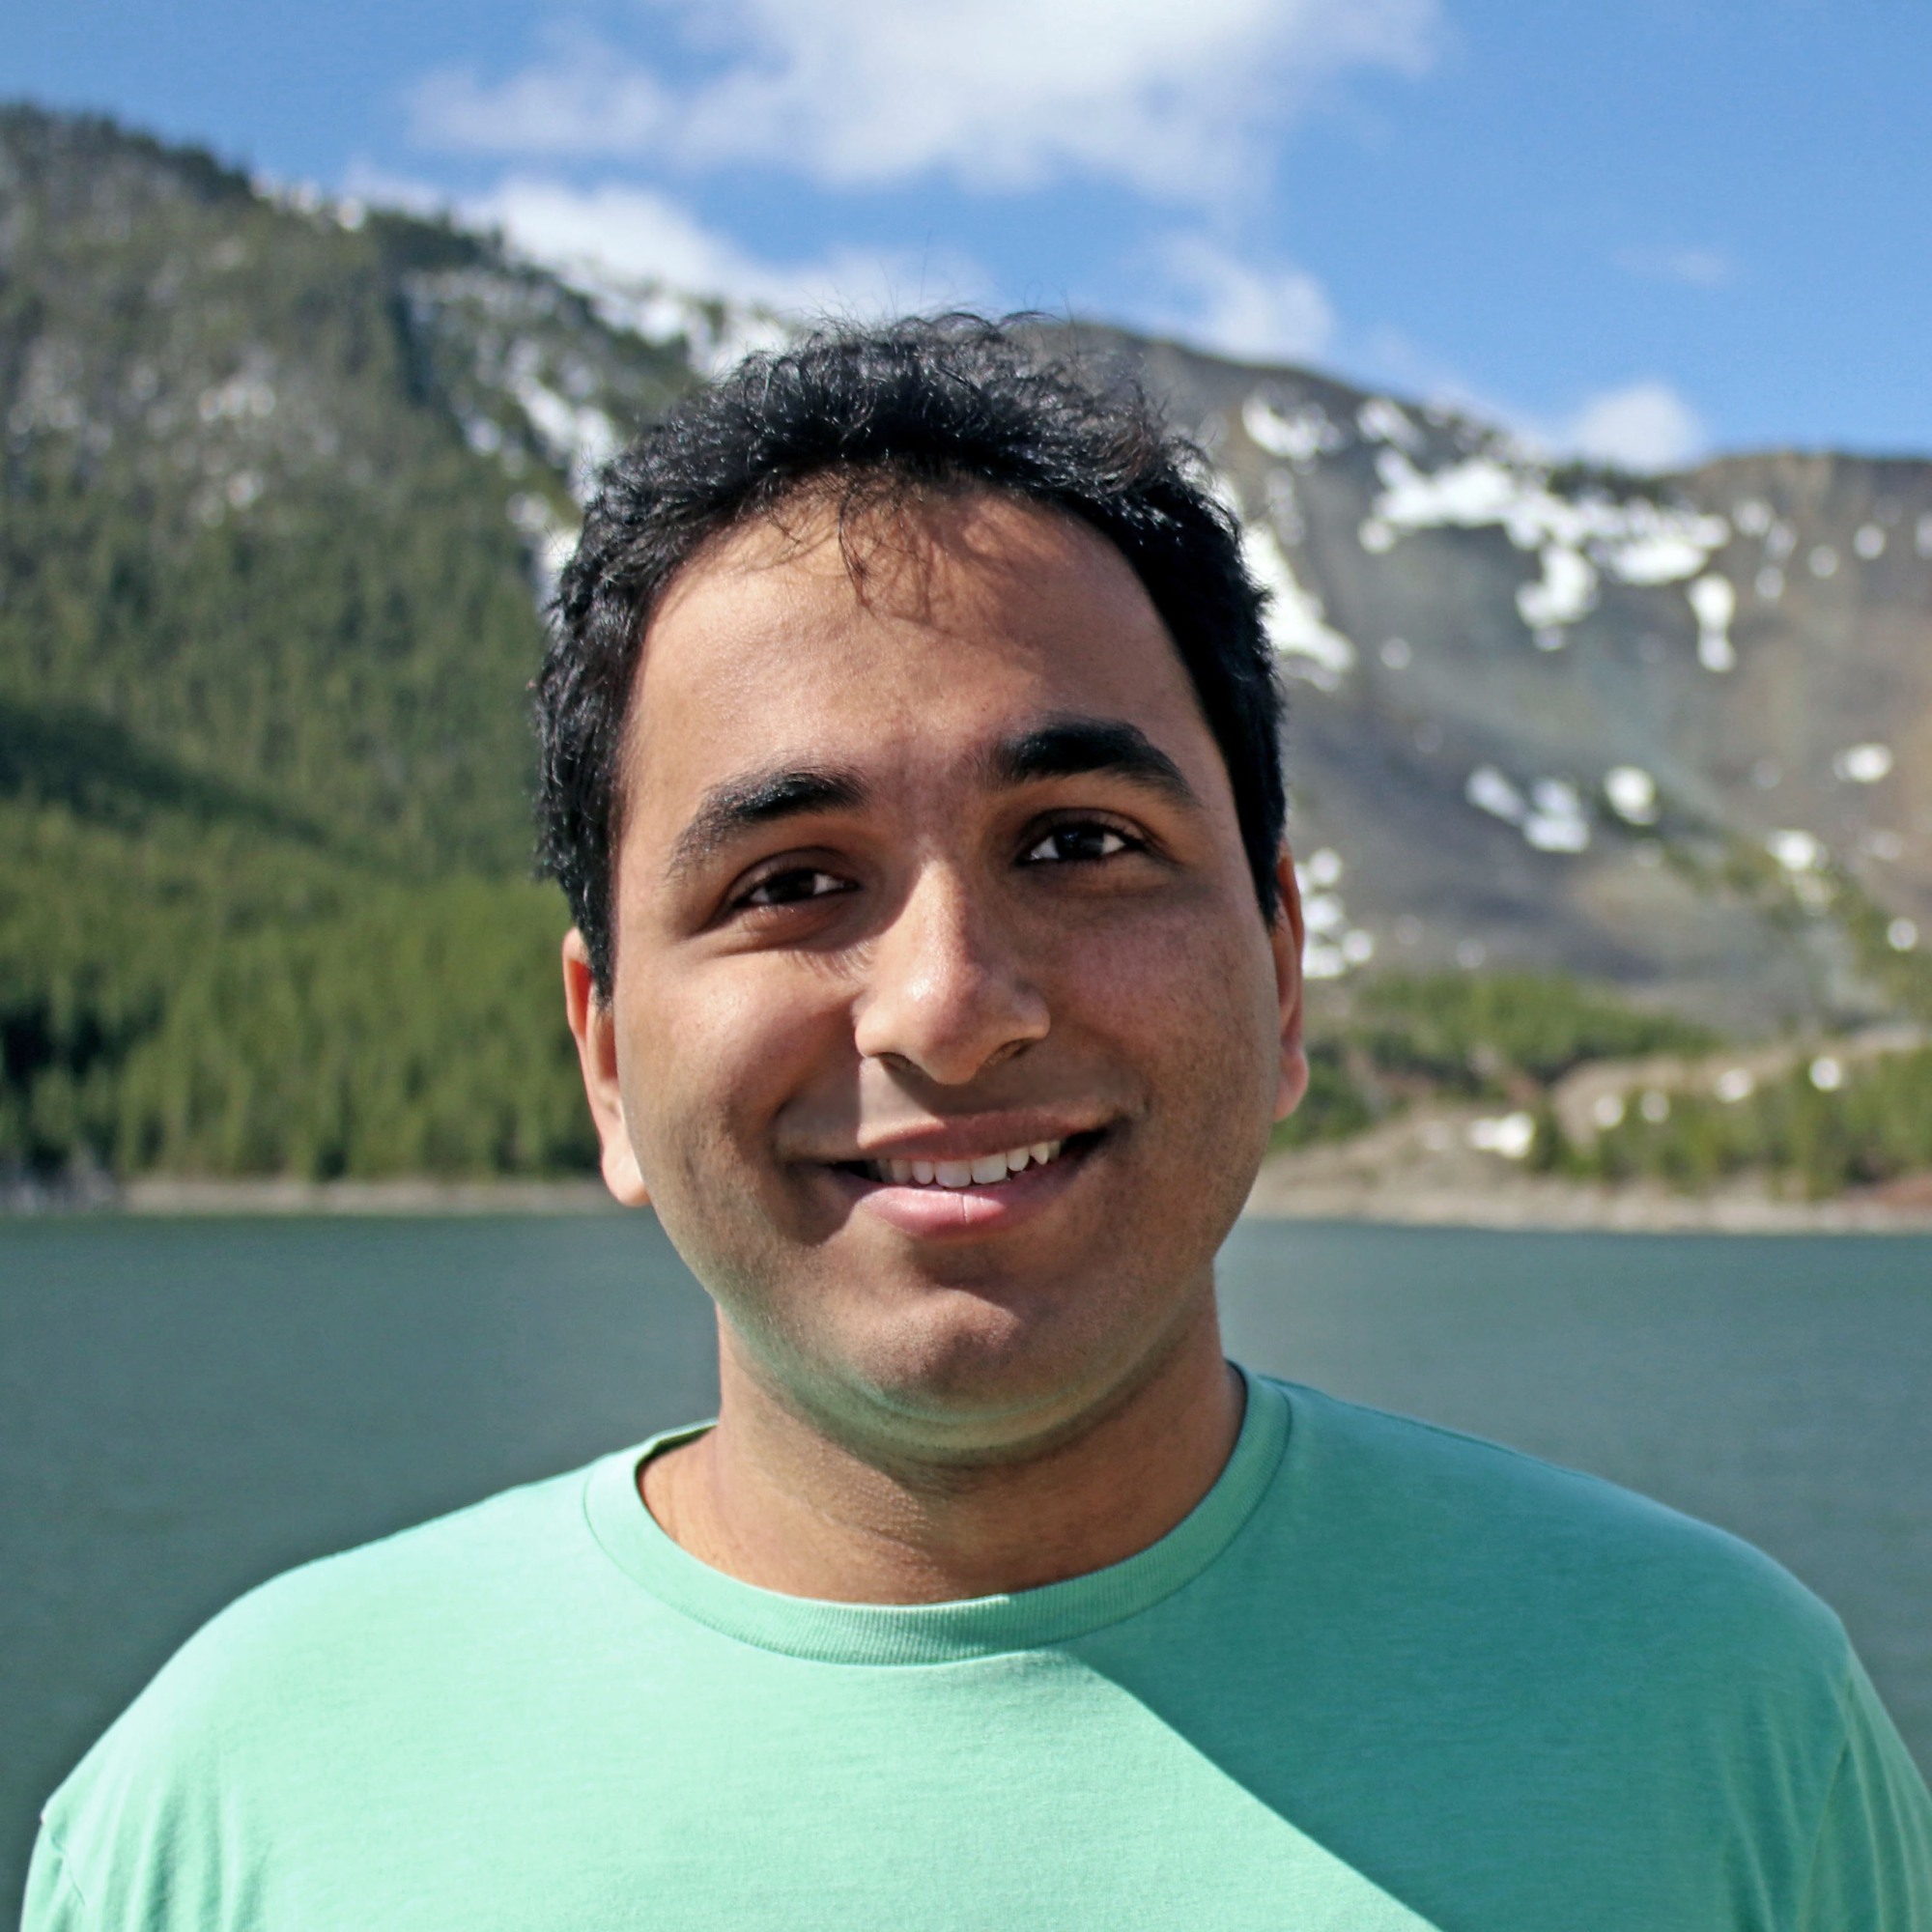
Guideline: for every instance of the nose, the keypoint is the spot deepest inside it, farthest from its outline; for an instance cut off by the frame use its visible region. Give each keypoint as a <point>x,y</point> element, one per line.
<point>947,992</point>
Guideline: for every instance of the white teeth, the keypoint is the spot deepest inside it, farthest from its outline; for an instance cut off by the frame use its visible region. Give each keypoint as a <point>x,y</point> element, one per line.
<point>983,1171</point>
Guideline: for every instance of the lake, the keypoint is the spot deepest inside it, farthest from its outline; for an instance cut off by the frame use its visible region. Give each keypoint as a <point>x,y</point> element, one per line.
<point>188,1406</point>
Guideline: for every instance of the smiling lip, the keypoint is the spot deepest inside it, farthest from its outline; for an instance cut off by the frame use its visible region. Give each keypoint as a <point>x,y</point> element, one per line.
<point>943,1182</point>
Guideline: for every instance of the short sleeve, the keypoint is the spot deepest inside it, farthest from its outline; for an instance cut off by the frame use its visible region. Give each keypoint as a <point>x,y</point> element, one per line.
<point>1872,1867</point>
<point>54,1904</point>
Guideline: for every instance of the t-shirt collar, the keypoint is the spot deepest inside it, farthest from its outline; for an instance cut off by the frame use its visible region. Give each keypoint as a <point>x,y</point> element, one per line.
<point>910,1633</point>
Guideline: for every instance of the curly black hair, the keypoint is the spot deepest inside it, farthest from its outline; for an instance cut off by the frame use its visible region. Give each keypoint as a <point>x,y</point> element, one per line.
<point>879,416</point>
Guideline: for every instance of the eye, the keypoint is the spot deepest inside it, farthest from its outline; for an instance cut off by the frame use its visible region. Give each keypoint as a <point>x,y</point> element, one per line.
<point>794,886</point>
<point>1080,841</point>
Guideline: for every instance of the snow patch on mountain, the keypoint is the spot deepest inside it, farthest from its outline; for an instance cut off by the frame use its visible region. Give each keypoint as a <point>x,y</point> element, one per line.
<point>1332,944</point>
<point>577,436</point>
<point>1632,794</point>
<point>1565,592</point>
<point>1550,817</point>
<point>1298,434</point>
<point>1864,764</point>
<point>1634,539</point>
<point>1714,603</point>
<point>1298,625</point>
<point>1384,420</point>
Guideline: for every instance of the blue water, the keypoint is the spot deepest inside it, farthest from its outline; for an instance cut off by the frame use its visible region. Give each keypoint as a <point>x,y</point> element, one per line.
<point>186,1407</point>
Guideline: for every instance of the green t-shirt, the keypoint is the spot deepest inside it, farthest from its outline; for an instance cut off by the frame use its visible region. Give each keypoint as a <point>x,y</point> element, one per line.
<point>1384,1676</point>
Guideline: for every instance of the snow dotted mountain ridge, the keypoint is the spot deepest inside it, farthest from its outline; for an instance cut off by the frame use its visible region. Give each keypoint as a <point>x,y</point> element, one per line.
<point>1671,731</point>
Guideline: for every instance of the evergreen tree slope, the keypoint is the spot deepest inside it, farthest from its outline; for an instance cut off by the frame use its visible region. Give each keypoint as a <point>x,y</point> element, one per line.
<point>276,491</point>
<point>246,516</point>
<point>283,484</point>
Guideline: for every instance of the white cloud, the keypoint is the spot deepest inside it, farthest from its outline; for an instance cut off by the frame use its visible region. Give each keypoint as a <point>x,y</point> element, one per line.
<point>584,97</point>
<point>617,236</point>
<point>1172,99</point>
<point>1693,267</point>
<point>379,188</point>
<point>640,234</point>
<point>1226,301</point>
<point>1644,426</point>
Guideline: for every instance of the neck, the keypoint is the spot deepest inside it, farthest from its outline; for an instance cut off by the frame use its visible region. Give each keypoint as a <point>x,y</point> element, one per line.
<point>773,1500</point>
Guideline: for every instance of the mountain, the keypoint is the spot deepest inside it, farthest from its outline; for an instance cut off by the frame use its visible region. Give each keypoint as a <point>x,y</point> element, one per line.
<point>279,489</point>
<point>284,483</point>
<point>277,481</point>
<point>1673,731</point>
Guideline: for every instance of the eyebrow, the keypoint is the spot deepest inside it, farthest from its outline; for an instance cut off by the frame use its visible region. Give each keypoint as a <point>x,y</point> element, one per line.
<point>739,805</point>
<point>1065,748</point>
<point>1061,748</point>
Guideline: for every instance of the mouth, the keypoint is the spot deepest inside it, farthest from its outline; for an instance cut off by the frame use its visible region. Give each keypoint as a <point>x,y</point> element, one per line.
<point>962,1195</point>
<point>978,1172</point>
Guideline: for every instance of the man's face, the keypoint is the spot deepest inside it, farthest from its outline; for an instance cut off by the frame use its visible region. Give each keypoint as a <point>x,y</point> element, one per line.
<point>917,872</point>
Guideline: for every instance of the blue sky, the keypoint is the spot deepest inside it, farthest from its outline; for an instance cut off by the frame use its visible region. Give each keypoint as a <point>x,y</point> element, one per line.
<point>1643,227</point>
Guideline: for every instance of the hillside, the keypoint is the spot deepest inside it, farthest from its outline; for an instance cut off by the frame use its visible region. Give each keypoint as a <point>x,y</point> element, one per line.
<point>281,488</point>
<point>1670,732</point>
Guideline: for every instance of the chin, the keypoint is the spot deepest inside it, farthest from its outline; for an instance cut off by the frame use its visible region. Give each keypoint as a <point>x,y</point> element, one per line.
<point>977,1375</point>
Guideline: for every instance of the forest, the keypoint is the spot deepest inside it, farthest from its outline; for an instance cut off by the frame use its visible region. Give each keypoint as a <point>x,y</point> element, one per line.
<point>282,488</point>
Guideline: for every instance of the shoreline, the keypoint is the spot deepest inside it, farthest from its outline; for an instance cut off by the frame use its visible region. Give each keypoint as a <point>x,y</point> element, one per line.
<point>1567,1207</point>
<point>1437,1167</point>
<point>166,1197</point>
<point>1318,1185</point>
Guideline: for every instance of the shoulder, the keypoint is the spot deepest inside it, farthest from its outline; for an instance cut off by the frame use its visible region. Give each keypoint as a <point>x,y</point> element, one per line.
<point>384,1596</point>
<point>1534,1547</point>
<point>321,1672</point>
<point>1573,1689</point>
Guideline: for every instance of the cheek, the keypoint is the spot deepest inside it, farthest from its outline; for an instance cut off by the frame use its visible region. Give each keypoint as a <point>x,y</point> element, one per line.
<point>1193,988</point>
<point>714,1052</point>
<point>1205,1020</point>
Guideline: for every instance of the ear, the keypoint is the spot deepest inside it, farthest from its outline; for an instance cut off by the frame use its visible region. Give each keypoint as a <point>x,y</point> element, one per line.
<point>594,1029</point>
<point>1284,938</point>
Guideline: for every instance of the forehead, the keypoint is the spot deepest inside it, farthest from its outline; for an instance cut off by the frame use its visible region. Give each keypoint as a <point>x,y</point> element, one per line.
<point>892,636</point>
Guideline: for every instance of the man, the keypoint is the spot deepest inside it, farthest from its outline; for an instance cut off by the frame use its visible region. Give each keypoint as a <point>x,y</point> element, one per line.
<point>911,767</point>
